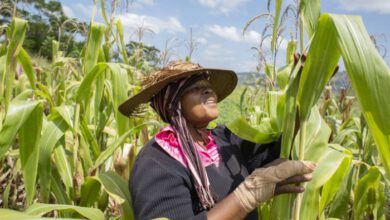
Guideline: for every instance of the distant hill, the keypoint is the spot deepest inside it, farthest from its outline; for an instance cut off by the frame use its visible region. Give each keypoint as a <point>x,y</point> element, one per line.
<point>339,80</point>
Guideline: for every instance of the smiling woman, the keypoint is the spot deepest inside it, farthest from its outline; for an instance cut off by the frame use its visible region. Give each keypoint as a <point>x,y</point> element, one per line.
<point>190,172</point>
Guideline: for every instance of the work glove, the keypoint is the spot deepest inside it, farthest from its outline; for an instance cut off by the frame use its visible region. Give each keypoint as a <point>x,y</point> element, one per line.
<point>262,183</point>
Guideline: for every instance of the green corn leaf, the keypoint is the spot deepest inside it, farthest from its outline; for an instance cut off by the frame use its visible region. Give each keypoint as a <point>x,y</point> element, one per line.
<point>338,208</point>
<point>87,135</point>
<point>98,99</point>
<point>64,167</point>
<point>333,185</point>
<point>57,189</point>
<point>17,115</point>
<point>321,61</point>
<point>29,135</point>
<point>83,93</point>
<point>278,7</point>
<point>291,48</point>
<point>25,60</point>
<point>310,12</point>
<point>317,137</point>
<point>368,193</point>
<point>17,32</point>
<point>118,91</point>
<point>370,78</point>
<point>264,133</point>
<point>115,145</point>
<point>119,81</point>
<point>280,202</point>
<point>51,135</point>
<point>290,111</point>
<point>269,72</point>
<point>90,191</point>
<point>117,188</point>
<point>282,76</point>
<point>39,209</point>
<point>121,38</point>
<point>8,214</point>
<point>3,60</point>
<point>368,72</point>
<point>65,113</point>
<point>94,42</point>
<point>102,6</point>
<point>271,104</point>
<point>326,168</point>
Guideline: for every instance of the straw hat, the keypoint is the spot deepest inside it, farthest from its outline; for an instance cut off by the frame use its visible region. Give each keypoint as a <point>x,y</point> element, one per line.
<point>222,81</point>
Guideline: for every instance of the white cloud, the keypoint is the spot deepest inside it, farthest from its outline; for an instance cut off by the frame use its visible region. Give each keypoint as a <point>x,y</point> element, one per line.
<point>157,25</point>
<point>234,34</point>
<point>381,6</point>
<point>216,49</point>
<point>141,3</point>
<point>86,10</point>
<point>68,11</point>
<point>202,40</point>
<point>224,6</point>
<point>215,56</point>
<point>218,56</point>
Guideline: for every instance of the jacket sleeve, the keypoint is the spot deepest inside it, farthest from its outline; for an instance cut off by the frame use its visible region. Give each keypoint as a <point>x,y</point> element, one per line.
<point>157,192</point>
<point>257,155</point>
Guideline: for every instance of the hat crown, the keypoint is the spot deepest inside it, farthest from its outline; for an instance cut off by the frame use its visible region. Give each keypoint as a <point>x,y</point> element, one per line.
<point>173,68</point>
<point>182,65</point>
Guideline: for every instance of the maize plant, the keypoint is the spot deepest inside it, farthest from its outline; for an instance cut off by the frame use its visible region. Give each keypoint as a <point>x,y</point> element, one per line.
<point>65,150</point>
<point>352,152</point>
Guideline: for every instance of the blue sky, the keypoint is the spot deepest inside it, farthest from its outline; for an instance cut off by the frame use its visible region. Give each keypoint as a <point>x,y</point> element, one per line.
<point>217,25</point>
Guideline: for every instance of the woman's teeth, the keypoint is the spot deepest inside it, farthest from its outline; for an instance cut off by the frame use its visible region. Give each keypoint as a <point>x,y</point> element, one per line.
<point>212,101</point>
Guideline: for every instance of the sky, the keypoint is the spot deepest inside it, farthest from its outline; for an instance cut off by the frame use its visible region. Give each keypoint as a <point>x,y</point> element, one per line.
<point>217,26</point>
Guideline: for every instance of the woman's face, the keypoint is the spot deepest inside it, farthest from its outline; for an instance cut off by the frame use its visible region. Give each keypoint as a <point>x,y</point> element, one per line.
<point>199,104</point>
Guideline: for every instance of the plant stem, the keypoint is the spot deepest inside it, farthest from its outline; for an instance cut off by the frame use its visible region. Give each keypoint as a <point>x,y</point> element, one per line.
<point>302,138</point>
<point>301,37</point>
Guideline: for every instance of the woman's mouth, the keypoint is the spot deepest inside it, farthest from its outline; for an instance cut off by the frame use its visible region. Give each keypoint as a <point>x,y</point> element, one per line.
<point>211,101</point>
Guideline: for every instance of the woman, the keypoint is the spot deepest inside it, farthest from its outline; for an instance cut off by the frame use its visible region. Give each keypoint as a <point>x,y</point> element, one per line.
<point>190,172</point>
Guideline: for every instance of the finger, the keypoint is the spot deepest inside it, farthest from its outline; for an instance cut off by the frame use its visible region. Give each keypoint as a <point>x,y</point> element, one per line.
<point>294,167</point>
<point>289,189</point>
<point>296,179</point>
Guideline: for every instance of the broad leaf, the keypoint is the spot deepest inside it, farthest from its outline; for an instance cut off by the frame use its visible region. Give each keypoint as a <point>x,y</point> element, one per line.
<point>117,188</point>
<point>29,136</point>
<point>39,209</point>
<point>310,12</point>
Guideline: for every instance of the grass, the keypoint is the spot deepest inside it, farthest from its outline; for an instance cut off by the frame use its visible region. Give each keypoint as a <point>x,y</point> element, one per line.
<point>229,108</point>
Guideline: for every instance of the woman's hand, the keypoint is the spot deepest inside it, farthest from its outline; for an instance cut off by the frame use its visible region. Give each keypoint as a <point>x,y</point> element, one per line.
<point>274,178</point>
<point>291,184</point>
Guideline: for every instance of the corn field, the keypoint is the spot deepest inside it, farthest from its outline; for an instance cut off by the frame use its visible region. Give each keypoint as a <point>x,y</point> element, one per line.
<point>66,151</point>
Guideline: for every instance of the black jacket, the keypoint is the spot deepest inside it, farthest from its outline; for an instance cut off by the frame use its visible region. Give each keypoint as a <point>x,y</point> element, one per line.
<point>161,187</point>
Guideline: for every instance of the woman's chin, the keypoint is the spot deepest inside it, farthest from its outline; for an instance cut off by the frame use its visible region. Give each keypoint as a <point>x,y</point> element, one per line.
<point>205,121</point>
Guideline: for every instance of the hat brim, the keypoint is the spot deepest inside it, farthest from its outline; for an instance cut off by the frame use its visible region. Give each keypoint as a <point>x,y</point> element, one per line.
<point>222,81</point>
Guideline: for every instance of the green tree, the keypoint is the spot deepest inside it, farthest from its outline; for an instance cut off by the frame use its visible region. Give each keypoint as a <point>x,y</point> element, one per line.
<point>140,51</point>
<point>47,22</point>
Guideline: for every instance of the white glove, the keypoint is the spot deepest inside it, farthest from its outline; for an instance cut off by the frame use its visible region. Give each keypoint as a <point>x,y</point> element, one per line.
<point>260,185</point>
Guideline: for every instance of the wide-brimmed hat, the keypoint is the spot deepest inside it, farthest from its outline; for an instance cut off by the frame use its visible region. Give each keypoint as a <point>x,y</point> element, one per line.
<point>222,81</point>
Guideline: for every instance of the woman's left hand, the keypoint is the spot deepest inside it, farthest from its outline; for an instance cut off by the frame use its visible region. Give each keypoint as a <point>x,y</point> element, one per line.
<point>291,184</point>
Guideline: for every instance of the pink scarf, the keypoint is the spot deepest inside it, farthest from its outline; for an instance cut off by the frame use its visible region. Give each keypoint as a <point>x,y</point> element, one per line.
<point>167,140</point>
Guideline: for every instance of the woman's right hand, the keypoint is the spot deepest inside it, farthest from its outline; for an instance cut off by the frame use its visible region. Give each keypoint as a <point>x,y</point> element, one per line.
<point>274,178</point>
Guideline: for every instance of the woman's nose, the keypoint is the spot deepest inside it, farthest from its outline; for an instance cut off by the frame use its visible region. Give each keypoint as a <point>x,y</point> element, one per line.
<point>208,91</point>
